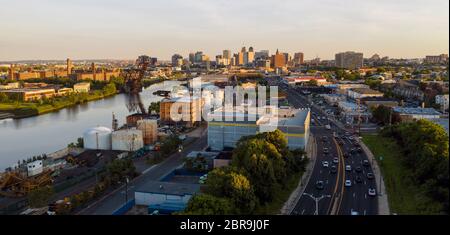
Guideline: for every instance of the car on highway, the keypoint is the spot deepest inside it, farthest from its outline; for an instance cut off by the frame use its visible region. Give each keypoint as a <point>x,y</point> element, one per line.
<point>359,150</point>
<point>333,169</point>
<point>370,176</point>
<point>346,155</point>
<point>326,151</point>
<point>352,150</point>
<point>348,168</point>
<point>319,185</point>
<point>353,212</point>
<point>335,160</point>
<point>325,164</point>
<point>366,163</point>
<point>358,169</point>
<point>372,192</point>
<point>358,179</point>
<point>348,183</point>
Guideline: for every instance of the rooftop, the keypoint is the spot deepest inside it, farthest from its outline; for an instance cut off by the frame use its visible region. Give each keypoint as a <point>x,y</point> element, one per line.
<point>417,111</point>
<point>169,188</point>
<point>366,91</point>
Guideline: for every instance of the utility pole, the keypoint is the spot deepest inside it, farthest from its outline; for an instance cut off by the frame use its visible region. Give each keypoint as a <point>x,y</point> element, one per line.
<point>316,200</point>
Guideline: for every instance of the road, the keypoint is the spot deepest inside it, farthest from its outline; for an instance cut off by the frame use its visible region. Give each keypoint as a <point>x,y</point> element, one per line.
<point>341,200</point>
<point>112,201</point>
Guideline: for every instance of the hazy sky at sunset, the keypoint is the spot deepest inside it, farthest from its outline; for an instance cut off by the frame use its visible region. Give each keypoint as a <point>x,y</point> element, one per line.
<point>119,29</point>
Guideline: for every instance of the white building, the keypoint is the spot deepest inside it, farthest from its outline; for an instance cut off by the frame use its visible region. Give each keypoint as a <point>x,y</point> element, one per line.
<point>226,127</point>
<point>442,100</point>
<point>35,168</point>
<point>358,93</point>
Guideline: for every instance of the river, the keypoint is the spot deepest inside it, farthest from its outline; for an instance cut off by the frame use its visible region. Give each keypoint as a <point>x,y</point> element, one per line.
<point>47,133</point>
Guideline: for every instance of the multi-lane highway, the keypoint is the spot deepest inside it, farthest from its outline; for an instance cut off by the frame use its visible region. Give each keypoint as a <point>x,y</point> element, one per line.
<point>341,185</point>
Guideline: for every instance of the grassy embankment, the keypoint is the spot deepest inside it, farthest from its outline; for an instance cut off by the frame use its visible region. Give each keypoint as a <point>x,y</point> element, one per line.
<point>28,109</point>
<point>404,197</point>
<point>282,195</point>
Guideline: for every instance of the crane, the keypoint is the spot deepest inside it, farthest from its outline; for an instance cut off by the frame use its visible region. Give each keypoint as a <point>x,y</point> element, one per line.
<point>133,83</point>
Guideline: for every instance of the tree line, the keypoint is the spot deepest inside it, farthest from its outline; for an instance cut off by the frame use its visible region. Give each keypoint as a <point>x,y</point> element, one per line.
<point>260,167</point>
<point>425,156</point>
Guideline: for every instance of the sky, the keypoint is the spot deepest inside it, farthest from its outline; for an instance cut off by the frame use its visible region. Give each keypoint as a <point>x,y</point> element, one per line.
<point>119,29</point>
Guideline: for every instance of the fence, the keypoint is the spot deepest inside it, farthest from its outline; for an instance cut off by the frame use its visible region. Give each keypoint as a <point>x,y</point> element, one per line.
<point>126,207</point>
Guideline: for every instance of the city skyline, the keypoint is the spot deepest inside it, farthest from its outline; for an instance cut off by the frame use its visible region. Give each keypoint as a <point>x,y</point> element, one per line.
<point>122,30</point>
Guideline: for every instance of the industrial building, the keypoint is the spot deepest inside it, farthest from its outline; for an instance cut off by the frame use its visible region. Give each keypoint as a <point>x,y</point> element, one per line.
<point>82,87</point>
<point>298,80</point>
<point>149,129</point>
<point>29,94</point>
<point>358,93</point>
<point>408,114</point>
<point>127,140</point>
<point>226,127</point>
<point>97,138</point>
<point>186,110</point>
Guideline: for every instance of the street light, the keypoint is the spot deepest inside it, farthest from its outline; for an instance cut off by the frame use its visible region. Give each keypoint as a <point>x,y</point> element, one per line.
<point>379,191</point>
<point>126,189</point>
<point>317,199</point>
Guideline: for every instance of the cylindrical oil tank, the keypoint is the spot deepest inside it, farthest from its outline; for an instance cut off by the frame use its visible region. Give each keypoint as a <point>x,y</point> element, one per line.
<point>149,128</point>
<point>127,140</point>
<point>97,138</point>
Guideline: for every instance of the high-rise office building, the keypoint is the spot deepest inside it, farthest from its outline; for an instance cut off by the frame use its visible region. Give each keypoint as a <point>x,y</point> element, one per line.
<point>226,54</point>
<point>192,58</point>
<point>298,58</point>
<point>263,54</point>
<point>349,60</point>
<point>278,60</point>
<point>287,57</point>
<point>198,57</point>
<point>177,60</point>
<point>250,56</point>
<point>69,66</point>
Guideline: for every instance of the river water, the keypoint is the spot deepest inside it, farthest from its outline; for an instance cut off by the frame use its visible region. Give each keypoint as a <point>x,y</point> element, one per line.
<point>47,133</point>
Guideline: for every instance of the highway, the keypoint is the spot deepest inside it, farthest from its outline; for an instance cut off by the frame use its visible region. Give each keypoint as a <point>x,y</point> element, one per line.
<point>337,198</point>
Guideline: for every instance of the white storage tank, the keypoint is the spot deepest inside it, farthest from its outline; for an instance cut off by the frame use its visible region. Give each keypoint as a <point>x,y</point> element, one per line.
<point>97,138</point>
<point>127,140</point>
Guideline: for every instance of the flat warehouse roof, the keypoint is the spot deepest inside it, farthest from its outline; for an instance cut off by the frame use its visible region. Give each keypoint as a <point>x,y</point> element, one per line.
<point>160,187</point>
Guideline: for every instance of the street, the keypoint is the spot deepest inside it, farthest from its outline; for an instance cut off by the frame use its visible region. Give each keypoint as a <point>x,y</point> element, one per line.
<point>111,202</point>
<point>337,198</point>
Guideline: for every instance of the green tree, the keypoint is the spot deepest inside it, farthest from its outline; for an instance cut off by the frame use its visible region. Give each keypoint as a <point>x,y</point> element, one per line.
<point>382,114</point>
<point>118,169</point>
<point>228,182</point>
<point>312,82</point>
<point>154,107</point>
<point>3,98</point>
<point>425,154</point>
<point>170,144</point>
<point>109,89</point>
<point>40,197</point>
<point>205,204</point>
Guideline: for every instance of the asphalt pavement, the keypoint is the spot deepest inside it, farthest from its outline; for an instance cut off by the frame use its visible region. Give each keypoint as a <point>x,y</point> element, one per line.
<point>335,197</point>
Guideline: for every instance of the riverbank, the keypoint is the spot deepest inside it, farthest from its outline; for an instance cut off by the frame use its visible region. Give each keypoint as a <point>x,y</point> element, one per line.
<point>24,110</point>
